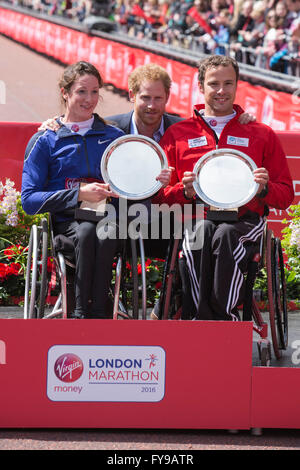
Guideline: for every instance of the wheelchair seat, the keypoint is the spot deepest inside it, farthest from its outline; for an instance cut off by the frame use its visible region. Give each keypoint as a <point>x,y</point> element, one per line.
<point>43,243</point>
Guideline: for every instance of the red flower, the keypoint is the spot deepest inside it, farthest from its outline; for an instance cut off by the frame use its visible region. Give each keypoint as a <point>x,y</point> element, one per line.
<point>9,253</point>
<point>14,250</point>
<point>3,270</point>
<point>50,264</point>
<point>14,269</point>
<point>17,300</point>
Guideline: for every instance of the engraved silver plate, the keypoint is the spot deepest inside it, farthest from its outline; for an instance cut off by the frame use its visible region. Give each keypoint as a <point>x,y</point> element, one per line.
<point>224,178</point>
<point>130,165</point>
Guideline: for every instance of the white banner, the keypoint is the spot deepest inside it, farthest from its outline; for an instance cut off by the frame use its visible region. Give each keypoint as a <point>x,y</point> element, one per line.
<point>106,373</point>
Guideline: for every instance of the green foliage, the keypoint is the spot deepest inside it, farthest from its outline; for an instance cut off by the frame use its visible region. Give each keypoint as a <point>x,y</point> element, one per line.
<point>291,246</point>
<point>154,269</point>
<point>17,232</point>
<point>290,242</point>
<point>15,227</point>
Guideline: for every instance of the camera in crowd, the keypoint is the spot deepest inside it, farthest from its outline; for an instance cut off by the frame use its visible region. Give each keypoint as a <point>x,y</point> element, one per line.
<point>102,8</point>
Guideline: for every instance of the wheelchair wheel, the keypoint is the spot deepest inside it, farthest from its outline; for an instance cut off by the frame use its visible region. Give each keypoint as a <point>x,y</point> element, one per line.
<point>280,295</point>
<point>130,287</point>
<point>276,294</point>
<point>135,281</point>
<point>170,298</point>
<point>36,273</point>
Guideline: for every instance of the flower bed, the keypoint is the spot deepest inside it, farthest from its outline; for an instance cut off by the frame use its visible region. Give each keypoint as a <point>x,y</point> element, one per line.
<point>14,236</point>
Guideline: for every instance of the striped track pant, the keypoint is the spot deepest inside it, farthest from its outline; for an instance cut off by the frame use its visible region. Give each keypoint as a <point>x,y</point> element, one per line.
<point>216,270</point>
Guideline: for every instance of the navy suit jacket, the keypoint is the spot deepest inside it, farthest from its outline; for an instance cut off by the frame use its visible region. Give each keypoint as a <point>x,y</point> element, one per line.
<point>123,121</point>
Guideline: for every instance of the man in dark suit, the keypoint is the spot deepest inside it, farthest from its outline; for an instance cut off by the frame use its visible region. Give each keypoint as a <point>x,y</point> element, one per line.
<point>149,90</point>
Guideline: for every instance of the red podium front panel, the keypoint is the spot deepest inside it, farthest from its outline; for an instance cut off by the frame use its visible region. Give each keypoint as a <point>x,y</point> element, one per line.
<point>275,397</point>
<point>125,374</point>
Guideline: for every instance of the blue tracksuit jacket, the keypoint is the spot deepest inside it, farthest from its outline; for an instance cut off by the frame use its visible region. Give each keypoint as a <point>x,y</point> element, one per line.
<point>51,158</point>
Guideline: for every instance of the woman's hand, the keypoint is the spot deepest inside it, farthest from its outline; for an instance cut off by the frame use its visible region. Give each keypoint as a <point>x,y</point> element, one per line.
<point>95,192</point>
<point>165,176</point>
<point>261,176</point>
<point>187,181</point>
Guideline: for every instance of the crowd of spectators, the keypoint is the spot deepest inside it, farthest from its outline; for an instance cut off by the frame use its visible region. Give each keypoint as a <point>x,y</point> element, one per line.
<point>76,10</point>
<point>258,32</point>
<point>264,33</point>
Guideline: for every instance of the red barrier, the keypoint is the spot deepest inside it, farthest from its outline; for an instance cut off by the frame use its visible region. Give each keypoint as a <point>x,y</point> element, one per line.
<point>14,137</point>
<point>18,134</point>
<point>291,145</point>
<point>116,61</point>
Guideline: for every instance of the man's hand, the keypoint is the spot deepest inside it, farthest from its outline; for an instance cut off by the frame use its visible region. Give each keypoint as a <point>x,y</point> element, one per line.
<point>261,176</point>
<point>50,124</point>
<point>245,118</point>
<point>187,181</point>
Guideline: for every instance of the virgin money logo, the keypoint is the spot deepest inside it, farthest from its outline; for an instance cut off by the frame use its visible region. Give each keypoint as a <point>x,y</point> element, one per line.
<point>68,368</point>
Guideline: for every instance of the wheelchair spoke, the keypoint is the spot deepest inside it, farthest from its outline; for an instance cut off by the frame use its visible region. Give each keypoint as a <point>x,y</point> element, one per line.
<point>276,295</point>
<point>36,272</point>
<point>280,296</point>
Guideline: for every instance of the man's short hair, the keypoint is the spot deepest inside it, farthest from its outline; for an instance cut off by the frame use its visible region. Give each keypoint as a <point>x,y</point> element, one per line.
<point>215,61</point>
<point>152,72</point>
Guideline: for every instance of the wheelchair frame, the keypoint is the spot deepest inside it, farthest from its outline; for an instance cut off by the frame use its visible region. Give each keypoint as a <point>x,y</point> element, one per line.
<point>270,256</point>
<point>41,245</point>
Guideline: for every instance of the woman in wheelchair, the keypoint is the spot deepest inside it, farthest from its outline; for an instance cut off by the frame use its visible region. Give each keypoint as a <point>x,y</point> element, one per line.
<point>62,169</point>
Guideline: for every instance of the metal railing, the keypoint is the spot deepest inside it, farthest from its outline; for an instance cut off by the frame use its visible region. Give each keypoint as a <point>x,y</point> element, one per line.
<point>203,45</point>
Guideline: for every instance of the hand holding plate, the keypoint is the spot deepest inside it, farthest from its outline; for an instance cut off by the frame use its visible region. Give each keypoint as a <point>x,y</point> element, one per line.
<point>225,181</point>
<point>164,176</point>
<point>261,177</point>
<point>188,184</point>
<point>95,192</point>
<point>135,167</point>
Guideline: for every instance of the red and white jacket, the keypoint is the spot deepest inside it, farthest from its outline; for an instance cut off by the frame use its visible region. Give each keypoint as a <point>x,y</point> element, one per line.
<point>185,142</point>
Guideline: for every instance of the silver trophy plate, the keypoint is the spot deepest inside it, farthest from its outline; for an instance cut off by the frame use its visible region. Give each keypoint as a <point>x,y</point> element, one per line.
<point>130,165</point>
<point>224,178</point>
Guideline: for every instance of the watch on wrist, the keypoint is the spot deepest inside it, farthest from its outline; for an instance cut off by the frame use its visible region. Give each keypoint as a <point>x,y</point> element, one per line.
<point>185,196</point>
<point>264,192</point>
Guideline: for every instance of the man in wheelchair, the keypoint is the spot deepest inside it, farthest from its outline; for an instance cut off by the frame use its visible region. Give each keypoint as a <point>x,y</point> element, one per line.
<point>213,286</point>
